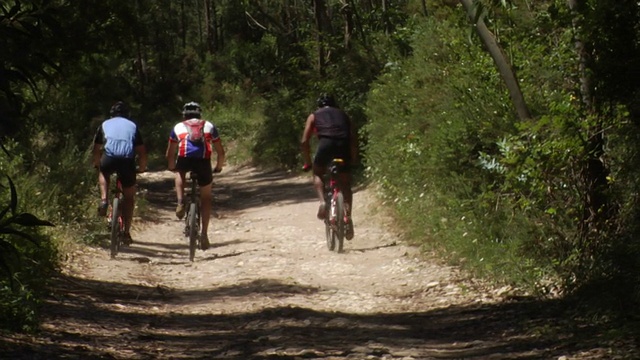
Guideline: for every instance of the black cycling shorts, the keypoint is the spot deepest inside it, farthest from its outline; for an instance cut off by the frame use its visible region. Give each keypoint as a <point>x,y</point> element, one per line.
<point>329,149</point>
<point>124,167</point>
<point>202,167</point>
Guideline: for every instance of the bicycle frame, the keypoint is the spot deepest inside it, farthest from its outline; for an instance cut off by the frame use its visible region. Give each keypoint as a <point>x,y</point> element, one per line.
<point>115,218</point>
<point>335,216</point>
<point>116,193</point>
<point>193,220</point>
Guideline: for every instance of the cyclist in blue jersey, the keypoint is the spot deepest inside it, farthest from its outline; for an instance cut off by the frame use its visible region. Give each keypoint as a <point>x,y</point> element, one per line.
<point>195,155</point>
<point>337,138</point>
<point>116,144</point>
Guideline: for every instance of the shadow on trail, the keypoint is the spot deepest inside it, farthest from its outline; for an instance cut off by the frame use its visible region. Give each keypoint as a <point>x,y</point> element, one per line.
<point>162,253</point>
<point>269,188</point>
<point>510,330</point>
<point>362,250</point>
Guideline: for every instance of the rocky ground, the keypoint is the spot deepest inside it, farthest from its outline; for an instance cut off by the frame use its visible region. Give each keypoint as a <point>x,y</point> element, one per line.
<point>270,289</point>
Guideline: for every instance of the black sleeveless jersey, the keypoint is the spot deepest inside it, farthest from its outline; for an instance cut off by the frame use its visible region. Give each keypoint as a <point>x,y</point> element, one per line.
<point>332,123</point>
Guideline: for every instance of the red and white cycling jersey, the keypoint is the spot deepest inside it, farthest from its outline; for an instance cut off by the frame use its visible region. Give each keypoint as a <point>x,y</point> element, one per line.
<point>186,148</point>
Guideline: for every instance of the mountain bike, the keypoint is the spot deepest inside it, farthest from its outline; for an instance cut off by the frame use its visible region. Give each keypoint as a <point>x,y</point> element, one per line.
<point>193,219</point>
<point>116,220</point>
<point>335,219</point>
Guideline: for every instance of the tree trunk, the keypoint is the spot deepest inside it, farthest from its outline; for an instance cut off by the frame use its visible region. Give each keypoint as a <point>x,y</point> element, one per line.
<point>319,8</point>
<point>500,59</point>
<point>183,20</point>
<point>583,57</point>
<point>200,43</point>
<point>385,18</point>
<point>424,8</point>
<point>208,28</point>
<point>214,28</point>
<point>348,23</point>
<point>596,203</point>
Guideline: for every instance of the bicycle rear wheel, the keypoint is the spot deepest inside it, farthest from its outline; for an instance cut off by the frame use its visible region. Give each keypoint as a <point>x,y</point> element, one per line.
<point>115,227</point>
<point>193,230</point>
<point>340,224</point>
<point>331,241</point>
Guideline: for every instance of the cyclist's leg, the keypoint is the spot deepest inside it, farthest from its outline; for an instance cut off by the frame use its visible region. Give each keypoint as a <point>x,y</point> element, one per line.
<point>103,181</point>
<point>343,151</point>
<point>318,180</point>
<point>182,166</point>
<point>104,173</point>
<point>127,174</point>
<point>318,185</point>
<point>205,206</point>
<point>128,204</point>
<point>205,180</point>
<point>323,156</point>
<point>345,180</point>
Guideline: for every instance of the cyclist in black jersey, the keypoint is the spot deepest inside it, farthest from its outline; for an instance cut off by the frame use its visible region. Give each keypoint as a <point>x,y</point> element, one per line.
<point>337,138</point>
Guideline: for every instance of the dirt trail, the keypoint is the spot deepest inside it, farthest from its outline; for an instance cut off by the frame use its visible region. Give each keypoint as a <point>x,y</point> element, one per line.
<point>270,289</point>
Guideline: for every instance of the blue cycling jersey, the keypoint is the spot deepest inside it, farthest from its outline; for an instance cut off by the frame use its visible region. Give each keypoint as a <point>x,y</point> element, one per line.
<point>119,137</point>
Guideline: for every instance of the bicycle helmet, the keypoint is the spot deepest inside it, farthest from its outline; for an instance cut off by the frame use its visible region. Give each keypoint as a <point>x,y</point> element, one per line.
<point>120,108</point>
<point>191,110</point>
<point>326,100</point>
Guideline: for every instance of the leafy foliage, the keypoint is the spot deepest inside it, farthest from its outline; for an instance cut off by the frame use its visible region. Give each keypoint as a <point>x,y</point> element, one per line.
<point>9,219</point>
<point>18,299</point>
<point>509,199</point>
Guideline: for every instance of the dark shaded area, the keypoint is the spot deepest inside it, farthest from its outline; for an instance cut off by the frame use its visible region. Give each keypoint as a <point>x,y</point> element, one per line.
<point>511,330</point>
<point>261,189</point>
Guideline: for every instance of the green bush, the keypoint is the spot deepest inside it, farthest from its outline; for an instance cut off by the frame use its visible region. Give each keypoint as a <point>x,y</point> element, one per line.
<point>27,260</point>
<point>441,142</point>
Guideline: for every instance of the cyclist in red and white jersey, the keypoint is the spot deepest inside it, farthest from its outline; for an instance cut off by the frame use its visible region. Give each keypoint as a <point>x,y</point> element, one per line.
<point>184,155</point>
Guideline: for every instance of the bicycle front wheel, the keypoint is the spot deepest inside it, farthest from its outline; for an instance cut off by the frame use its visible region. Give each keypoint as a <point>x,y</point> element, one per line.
<point>115,227</point>
<point>340,224</point>
<point>193,230</point>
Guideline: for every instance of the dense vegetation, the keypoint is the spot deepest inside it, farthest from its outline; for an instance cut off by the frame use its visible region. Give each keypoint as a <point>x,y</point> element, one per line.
<point>503,133</point>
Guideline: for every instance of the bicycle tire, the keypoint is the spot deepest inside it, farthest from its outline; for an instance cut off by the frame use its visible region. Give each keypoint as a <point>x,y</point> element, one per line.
<point>331,242</point>
<point>115,227</point>
<point>193,230</point>
<point>340,224</point>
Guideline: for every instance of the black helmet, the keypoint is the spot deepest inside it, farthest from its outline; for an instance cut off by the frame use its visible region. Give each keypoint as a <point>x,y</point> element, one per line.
<point>326,100</point>
<point>192,110</point>
<point>119,109</point>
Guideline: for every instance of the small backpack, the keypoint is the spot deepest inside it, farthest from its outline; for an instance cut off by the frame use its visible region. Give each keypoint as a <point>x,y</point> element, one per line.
<point>195,127</point>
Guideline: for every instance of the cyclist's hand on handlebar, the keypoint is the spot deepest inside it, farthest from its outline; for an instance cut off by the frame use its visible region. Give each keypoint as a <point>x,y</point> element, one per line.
<point>306,167</point>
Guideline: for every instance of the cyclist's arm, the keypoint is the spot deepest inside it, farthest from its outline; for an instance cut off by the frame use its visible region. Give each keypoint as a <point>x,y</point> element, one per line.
<point>220,154</point>
<point>353,142</point>
<point>97,152</point>
<point>306,138</point>
<point>172,147</point>
<point>98,140</point>
<point>141,150</point>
